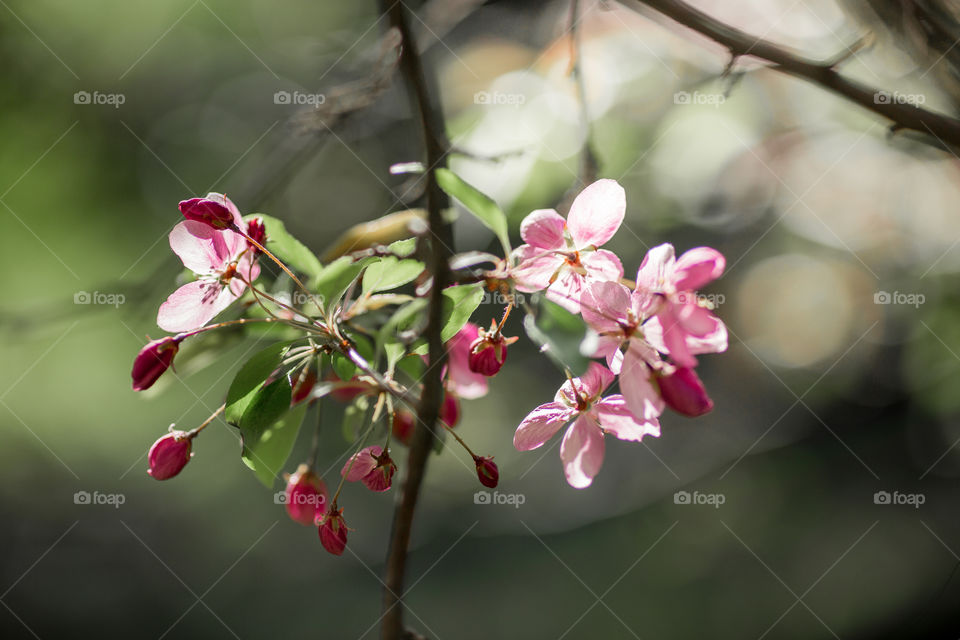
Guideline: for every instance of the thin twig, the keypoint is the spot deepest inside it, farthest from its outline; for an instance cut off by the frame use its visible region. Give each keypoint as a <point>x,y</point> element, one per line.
<point>824,74</point>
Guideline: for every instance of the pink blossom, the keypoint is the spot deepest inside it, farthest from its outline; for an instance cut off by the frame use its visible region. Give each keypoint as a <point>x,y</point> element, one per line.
<point>153,360</point>
<point>579,400</point>
<point>682,326</point>
<point>561,256</point>
<point>372,466</point>
<point>461,379</point>
<point>169,455</point>
<point>222,261</point>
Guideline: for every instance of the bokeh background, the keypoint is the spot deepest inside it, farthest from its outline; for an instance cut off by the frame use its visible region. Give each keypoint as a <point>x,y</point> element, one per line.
<point>841,379</point>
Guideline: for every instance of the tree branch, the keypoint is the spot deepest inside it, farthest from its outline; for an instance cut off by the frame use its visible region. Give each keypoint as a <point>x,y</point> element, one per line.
<point>441,241</point>
<point>824,74</point>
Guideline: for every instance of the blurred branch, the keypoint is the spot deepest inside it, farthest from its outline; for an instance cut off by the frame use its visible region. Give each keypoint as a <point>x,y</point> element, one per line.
<point>436,146</point>
<point>824,74</point>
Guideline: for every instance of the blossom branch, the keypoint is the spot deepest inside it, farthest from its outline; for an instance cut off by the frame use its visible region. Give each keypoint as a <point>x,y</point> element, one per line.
<point>824,74</point>
<point>438,262</point>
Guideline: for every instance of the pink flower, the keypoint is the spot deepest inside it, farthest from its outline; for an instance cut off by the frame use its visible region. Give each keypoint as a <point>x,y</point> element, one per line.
<point>306,496</point>
<point>580,400</point>
<point>461,379</point>
<point>219,258</point>
<point>169,455</point>
<point>561,256</point>
<point>333,531</point>
<point>682,326</point>
<point>153,360</point>
<point>372,466</point>
<point>617,315</point>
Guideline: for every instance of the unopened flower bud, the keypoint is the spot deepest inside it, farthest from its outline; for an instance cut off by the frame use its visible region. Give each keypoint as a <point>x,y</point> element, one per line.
<point>450,409</point>
<point>487,471</point>
<point>169,455</point>
<point>683,392</point>
<point>153,360</point>
<point>306,496</point>
<point>209,212</point>
<point>487,356</point>
<point>258,233</point>
<point>333,531</point>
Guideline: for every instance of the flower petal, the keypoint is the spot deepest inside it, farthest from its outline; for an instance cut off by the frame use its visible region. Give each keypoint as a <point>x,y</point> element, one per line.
<point>582,451</point>
<point>543,229</point>
<point>656,270</point>
<point>194,305</point>
<point>596,380</point>
<point>604,305</point>
<point>360,464</point>
<point>602,265</point>
<point>597,213</point>
<point>639,392</point>
<point>540,425</point>
<point>460,378</point>
<point>567,289</point>
<point>698,267</point>
<point>200,247</point>
<point>616,418</point>
<point>535,268</point>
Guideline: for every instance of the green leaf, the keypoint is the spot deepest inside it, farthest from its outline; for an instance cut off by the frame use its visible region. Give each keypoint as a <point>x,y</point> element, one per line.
<point>335,279</point>
<point>290,250</point>
<point>560,334</point>
<point>480,205</point>
<point>403,248</point>
<point>343,367</point>
<point>389,273</point>
<point>353,418</point>
<point>412,365</point>
<point>458,305</point>
<point>267,445</point>
<point>250,378</point>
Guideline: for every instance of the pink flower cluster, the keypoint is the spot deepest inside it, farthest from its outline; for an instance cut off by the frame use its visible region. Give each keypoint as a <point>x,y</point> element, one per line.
<point>648,333</point>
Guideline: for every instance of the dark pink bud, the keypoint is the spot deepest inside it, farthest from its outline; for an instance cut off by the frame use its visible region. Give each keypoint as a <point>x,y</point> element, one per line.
<point>487,471</point>
<point>257,232</point>
<point>450,409</point>
<point>306,496</point>
<point>303,385</point>
<point>346,391</point>
<point>487,355</point>
<point>152,361</point>
<point>333,531</point>
<point>209,212</point>
<point>403,422</point>
<point>683,392</point>
<point>169,455</point>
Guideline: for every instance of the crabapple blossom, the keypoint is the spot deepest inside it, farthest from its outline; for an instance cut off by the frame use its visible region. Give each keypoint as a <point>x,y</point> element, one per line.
<point>579,401</point>
<point>306,495</point>
<point>372,466</point>
<point>153,360</point>
<point>681,326</point>
<point>460,377</point>
<point>562,256</point>
<point>223,263</point>
<point>169,455</point>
